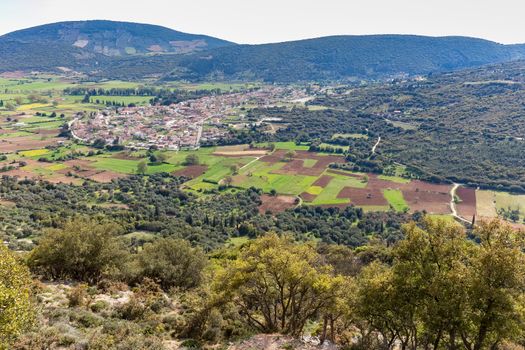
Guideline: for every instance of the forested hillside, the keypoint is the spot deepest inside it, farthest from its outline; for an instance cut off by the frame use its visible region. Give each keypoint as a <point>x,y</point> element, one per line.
<point>111,38</point>
<point>108,49</point>
<point>88,45</point>
<point>465,126</point>
<point>340,57</point>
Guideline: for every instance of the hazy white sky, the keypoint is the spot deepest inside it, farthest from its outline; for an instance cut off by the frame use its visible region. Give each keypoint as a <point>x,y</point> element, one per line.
<point>260,21</point>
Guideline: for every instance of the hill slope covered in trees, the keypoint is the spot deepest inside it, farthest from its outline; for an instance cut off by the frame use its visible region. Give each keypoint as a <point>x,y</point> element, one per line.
<point>115,38</point>
<point>371,56</point>
<point>129,50</point>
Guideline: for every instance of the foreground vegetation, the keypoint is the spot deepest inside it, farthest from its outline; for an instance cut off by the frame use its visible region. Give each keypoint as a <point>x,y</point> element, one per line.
<point>438,288</point>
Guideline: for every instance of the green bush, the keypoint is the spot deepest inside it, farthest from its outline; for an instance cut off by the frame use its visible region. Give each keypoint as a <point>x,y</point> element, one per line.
<point>172,263</point>
<point>83,249</point>
<point>98,306</point>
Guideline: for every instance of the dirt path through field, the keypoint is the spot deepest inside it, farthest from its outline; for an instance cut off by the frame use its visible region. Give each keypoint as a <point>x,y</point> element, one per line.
<point>453,204</point>
<point>256,159</point>
<point>377,144</point>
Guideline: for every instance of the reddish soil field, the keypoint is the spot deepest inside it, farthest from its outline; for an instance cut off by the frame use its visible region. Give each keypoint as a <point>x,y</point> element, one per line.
<point>432,202</point>
<point>105,176</point>
<point>82,163</point>
<point>339,172</point>
<point>192,171</point>
<point>364,196</point>
<point>419,195</point>
<point>322,161</point>
<point>25,143</point>
<point>375,182</point>
<point>307,196</point>
<point>323,181</point>
<point>65,180</point>
<point>20,174</point>
<point>275,157</point>
<point>82,173</point>
<point>7,131</point>
<point>125,156</point>
<point>276,204</point>
<point>428,186</point>
<point>47,132</point>
<point>434,198</point>
<point>296,165</point>
<point>467,207</point>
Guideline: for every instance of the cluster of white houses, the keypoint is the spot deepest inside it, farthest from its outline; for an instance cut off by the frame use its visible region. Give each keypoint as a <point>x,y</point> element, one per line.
<point>178,126</point>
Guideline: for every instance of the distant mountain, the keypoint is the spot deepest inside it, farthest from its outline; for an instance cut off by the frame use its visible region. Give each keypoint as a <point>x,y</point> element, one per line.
<point>349,56</point>
<point>111,38</point>
<point>129,50</point>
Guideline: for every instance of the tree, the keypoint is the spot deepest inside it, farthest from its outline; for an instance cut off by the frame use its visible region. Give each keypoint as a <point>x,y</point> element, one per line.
<point>162,157</point>
<point>234,168</point>
<point>17,311</point>
<point>192,159</point>
<point>495,288</point>
<point>99,143</point>
<point>172,263</point>
<point>433,279</point>
<point>142,167</point>
<point>84,249</point>
<point>278,285</point>
<point>444,291</point>
<point>289,156</point>
<point>227,181</point>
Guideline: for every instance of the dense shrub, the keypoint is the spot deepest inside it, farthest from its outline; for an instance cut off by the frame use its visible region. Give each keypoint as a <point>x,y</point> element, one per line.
<point>82,249</point>
<point>173,263</point>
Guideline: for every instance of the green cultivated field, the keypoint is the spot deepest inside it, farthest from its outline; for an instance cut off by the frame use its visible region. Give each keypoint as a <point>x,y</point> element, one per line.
<point>123,166</point>
<point>287,146</point>
<point>259,175</point>
<point>338,182</point>
<point>396,200</point>
<point>126,166</point>
<point>396,179</point>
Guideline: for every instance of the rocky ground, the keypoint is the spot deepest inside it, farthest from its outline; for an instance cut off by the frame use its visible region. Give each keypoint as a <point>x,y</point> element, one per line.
<point>277,342</point>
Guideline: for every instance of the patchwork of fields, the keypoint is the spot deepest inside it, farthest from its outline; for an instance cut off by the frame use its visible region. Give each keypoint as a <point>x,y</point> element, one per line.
<point>289,174</point>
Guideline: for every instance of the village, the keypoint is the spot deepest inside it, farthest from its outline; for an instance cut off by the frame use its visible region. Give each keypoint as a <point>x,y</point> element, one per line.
<point>184,125</point>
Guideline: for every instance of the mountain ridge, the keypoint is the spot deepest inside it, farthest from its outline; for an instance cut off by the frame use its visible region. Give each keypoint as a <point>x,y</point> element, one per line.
<point>113,38</point>
<point>109,49</point>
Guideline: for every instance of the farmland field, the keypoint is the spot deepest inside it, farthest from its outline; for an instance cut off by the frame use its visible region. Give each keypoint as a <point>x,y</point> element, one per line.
<point>287,174</point>
<point>396,200</point>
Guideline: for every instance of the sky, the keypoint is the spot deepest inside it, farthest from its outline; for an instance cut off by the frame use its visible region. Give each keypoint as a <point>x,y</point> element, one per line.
<point>264,21</point>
